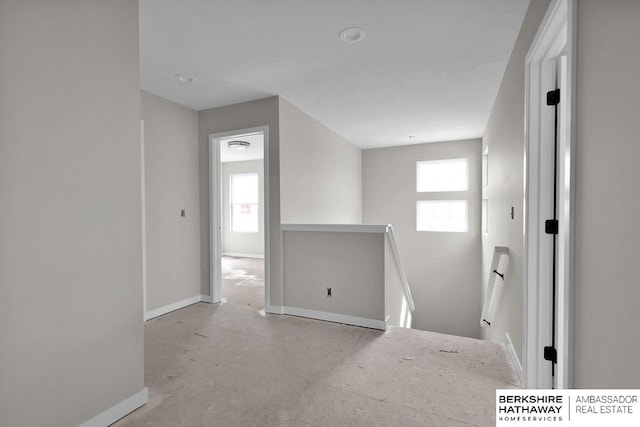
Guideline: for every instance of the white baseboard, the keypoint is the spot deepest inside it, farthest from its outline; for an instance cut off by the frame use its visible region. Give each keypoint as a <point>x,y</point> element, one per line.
<point>514,357</point>
<point>172,307</point>
<point>118,410</point>
<point>274,309</point>
<point>330,317</point>
<point>237,255</point>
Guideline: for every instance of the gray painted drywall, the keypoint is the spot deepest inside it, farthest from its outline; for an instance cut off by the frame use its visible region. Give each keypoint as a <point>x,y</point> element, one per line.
<point>71,329</point>
<point>504,137</point>
<point>242,243</point>
<point>607,288</point>
<point>172,184</point>
<point>352,264</point>
<point>263,112</point>
<point>320,172</point>
<point>442,268</point>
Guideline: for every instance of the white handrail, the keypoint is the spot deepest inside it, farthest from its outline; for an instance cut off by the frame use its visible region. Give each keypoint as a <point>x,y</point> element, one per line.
<point>486,318</point>
<point>403,276</point>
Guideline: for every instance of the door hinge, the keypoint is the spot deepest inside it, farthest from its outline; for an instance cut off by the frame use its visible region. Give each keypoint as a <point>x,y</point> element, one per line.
<point>551,226</point>
<point>550,354</point>
<point>553,97</point>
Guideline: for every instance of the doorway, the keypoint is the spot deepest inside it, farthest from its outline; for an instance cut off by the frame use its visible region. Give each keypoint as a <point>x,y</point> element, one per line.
<point>549,200</point>
<point>239,215</point>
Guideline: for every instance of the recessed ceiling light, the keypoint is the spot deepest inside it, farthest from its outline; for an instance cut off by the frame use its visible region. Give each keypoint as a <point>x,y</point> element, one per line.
<point>184,78</point>
<point>239,145</point>
<point>352,35</point>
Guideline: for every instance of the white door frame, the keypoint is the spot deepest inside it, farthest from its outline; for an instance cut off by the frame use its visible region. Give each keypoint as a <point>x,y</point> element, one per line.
<point>552,49</point>
<point>143,198</point>
<point>215,220</point>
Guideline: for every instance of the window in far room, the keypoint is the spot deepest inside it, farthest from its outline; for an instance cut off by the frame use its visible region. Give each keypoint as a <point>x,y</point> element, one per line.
<point>440,181</point>
<point>485,190</point>
<point>244,203</point>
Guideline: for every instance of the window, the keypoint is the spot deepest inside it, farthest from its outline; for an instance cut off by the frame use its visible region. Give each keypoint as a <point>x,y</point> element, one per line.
<point>485,216</point>
<point>442,215</point>
<point>485,167</point>
<point>244,203</point>
<point>485,190</point>
<point>439,213</point>
<point>443,175</point>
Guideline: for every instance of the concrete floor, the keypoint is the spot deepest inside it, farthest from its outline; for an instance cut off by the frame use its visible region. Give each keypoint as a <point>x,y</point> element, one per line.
<point>231,365</point>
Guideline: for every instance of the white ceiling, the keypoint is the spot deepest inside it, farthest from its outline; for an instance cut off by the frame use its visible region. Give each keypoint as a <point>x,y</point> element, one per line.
<point>427,68</point>
<point>254,152</point>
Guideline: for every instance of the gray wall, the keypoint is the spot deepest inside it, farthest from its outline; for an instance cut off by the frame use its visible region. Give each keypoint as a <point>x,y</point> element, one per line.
<point>442,268</point>
<point>172,184</point>
<point>229,118</point>
<point>242,243</point>
<point>351,264</point>
<point>504,137</point>
<point>71,330</point>
<point>320,172</point>
<point>607,195</point>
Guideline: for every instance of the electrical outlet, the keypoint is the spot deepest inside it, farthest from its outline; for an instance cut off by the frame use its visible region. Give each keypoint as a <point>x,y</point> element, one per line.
<point>183,213</point>
<point>329,293</point>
